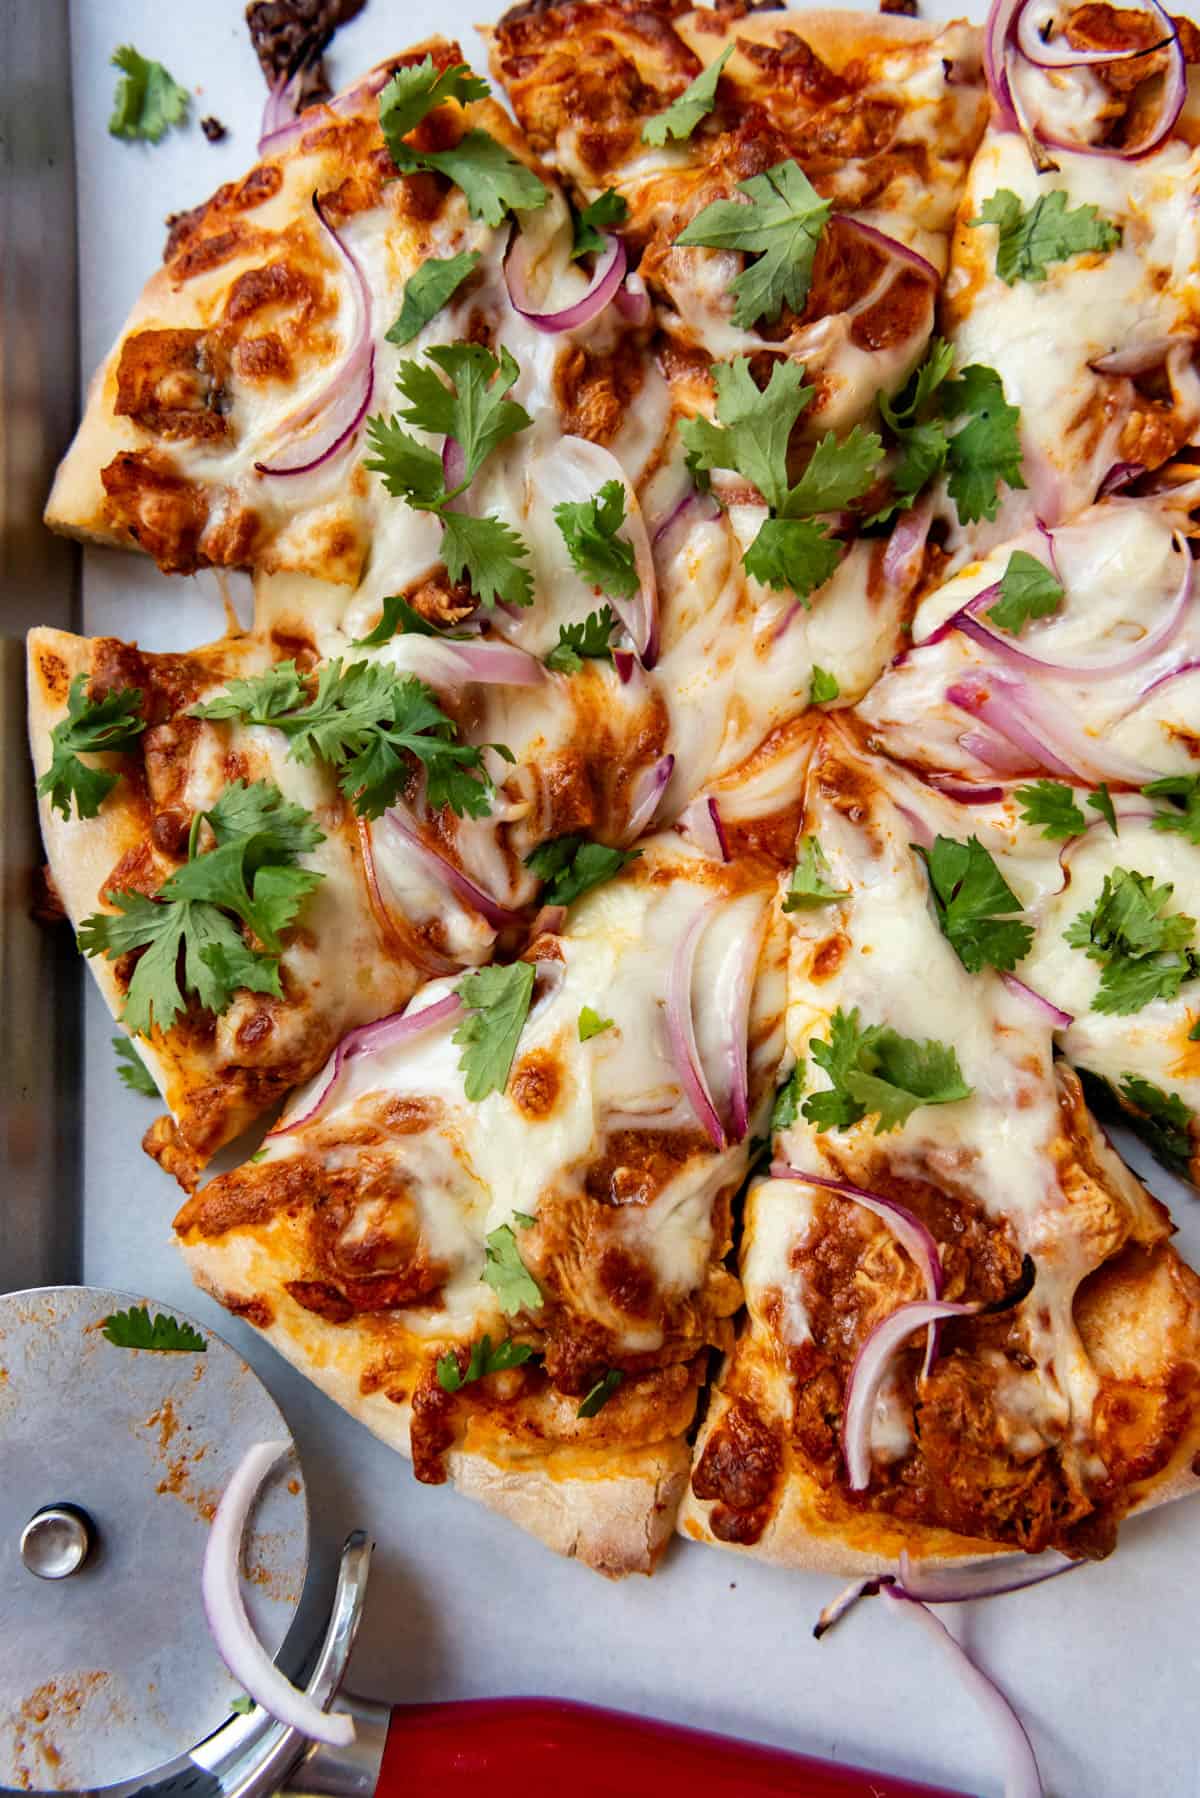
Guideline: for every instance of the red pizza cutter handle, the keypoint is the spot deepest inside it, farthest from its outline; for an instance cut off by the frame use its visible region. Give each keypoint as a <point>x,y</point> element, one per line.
<point>510,1747</point>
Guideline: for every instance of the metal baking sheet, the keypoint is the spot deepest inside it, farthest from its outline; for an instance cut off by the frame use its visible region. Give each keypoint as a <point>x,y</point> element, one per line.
<point>1103,1667</point>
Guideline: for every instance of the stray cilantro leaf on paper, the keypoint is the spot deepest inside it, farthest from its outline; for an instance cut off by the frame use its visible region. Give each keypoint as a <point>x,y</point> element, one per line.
<point>148,100</point>
<point>137,1330</point>
<point>484,1359</point>
<point>132,1070</point>
<point>497,1004</point>
<point>810,885</point>
<point>781,225</point>
<point>972,899</point>
<point>91,727</point>
<point>877,1070</point>
<point>1028,240</point>
<point>507,1275</point>
<point>600,1393</point>
<point>1028,589</point>
<point>428,290</point>
<point>684,114</point>
<point>570,866</point>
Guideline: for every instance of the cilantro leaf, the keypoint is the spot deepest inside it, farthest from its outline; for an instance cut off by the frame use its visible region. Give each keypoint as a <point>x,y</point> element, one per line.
<point>493,180</point>
<point>257,810</point>
<point>786,1107</point>
<point>600,1393</point>
<point>91,727</point>
<point>753,428</point>
<point>497,1003</point>
<point>684,114</point>
<point>257,698</point>
<point>1028,589</point>
<point>132,1070</point>
<point>1101,801</point>
<point>1052,805</point>
<point>1145,952</point>
<point>606,210</point>
<point>1028,240</point>
<point>136,1329</point>
<point>409,470</point>
<point>571,866</point>
<point>506,1273</point>
<point>242,1705</point>
<point>793,554</point>
<point>810,886</point>
<point>837,473</point>
<point>877,1070</point>
<point>413,92</point>
<point>971,897</point>
<point>592,639</point>
<point>922,443</point>
<point>488,554</point>
<point>905,407</point>
<point>475,410</point>
<point>822,687</point>
<point>427,291</point>
<point>484,1359</point>
<point>589,529</point>
<point>1165,1121</point>
<point>1185,788</point>
<point>987,450</point>
<point>147,101</point>
<point>782,225</point>
<point>592,1024</point>
<point>396,616</point>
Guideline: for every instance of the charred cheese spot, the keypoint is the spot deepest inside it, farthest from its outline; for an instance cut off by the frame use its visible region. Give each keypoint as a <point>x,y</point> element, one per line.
<point>827,957</point>
<point>639,1164</point>
<point>740,1471</point>
<point>257,1309</point>
<point>55,680</point>
<point>162,512</point>
<point>535,1084</point>
<point>170,383</point>
<point>321,1298</point>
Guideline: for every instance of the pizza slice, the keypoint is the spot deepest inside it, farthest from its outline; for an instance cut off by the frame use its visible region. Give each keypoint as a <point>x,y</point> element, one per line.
<point>933,1164</point>
<point>494,1228</point>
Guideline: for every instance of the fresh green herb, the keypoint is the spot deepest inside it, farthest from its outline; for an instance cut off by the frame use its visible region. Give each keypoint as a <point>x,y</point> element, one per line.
<point>982,454</point>
<point>753,428</point>
<point>249,881</point>
<point>1185,789</point>
<point>810,885</point>
<point>792,555</point>
<point>570,866</point>
<point>591,639</point>
<point>589,529</point>
<point>684,114</point>
<point>822,687</point>
<point>1145,952</point>
<point>592,1024</point>
<point>488,554</point>
<point>493,181</point>
<point>600,1394</point>
<point>921,439</point>
<point>1052,805</point>
<point>497,1004</point>
<point>242,1706</point>
<point>780,221</point>
<point>606,210</point>
<point>1194,1032</point>
<point>258,1155</point>
<point>484,1360</point>
<point>971,897</point>
<point>91,727</point>
<point>397,616</point>
<point>879,1071</point>
<point>1101,801</point>
<point>786,1108</point>
<point>1027,240</point>
<point>370,723</point>
<point>136,1329</point>
<point>1028,590</point>
<point>132,1070</point>
<point>1164,1122</point>
<point>507,1275</point>
<point>147,102</point>
<point>523,1218</point>
<point>426,292</point>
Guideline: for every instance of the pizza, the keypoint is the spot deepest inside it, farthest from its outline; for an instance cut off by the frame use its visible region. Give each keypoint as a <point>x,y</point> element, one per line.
<point>702,831</point>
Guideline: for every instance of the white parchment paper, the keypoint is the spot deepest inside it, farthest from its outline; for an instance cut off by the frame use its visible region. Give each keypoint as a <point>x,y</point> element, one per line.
<point>1104,1666</point>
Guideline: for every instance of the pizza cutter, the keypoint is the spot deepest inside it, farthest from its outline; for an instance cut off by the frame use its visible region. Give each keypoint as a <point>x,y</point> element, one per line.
<point>112,1461</point>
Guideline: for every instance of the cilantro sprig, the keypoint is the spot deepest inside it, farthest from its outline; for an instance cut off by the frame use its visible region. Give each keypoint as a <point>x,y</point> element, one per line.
<point>132,1070</point>
<point>877,1071</point>
<point>426,292</point>
<point>810,885</point>
<point>1028,590</point>
<point>779,222</point>
<point>592,1024</point>
<point>572,865</point>
<point>483,1360</point>
<point>199,934</point>
<point>823,687</point>
<point>1145,951</point>
<point>601,1392</point>
<point>685,113</point>
<point>1052,805</point>
<point>1028,239</point>
<point>148,100</point>
<point>496,1005</point>
<point>983,454</point>
<point>972,900</point>
<point>493,181</point>
<point>91,727</point>
<point>136,1329</point>
<point>1182,812</point>
<point>786,1106</point>
<point>589,529</point>
<point>507,1275</point>
<point>606,210</point>
<point>589,639</point>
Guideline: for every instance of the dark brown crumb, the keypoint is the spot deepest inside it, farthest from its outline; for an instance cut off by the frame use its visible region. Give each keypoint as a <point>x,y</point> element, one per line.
<point>906,8</point>
<point>290,36</point>
<point>213,129</point>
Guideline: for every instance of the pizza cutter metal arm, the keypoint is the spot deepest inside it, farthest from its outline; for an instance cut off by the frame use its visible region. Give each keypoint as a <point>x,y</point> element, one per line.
<point>511,1746</point>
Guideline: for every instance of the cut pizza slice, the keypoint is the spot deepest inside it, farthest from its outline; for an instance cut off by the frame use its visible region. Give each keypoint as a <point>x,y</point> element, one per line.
<point>966,1328</point>
<point>789,179</point>
<point>494,1228</point>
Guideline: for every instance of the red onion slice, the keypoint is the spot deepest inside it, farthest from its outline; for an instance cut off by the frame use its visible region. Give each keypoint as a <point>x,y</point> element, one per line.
<point>681,1029</point>
<point>992,1578</point>
<point>1053,743</point>
<point>1136,358</point>
<point>279,110</point>
<point>372,1039</point>
<point>701,823</point>
<point>905,554</point>
<point>447,874</point>
<point>739,1032</point>
<point>232,1634</point>
<point>624,661</point>
<point>286,132</point>
<point>342,402</point>
<point>992,752</point>
<point>1141,810</point>
<point>1121,474</point>
<point>1021,1776</point>
<point>401,938</point>
<point>1170,99</point>
<point>891,247</point>
<point>454,464</point>
<point>633,302</point>
<point>995,45</point>
<point>645,797</point>
<point>1057,53</point>
<point>867,1375</point>
<point>1049,1013</point>
<point>607,277</point>
<point>961,793</point>
<point>499,664</point>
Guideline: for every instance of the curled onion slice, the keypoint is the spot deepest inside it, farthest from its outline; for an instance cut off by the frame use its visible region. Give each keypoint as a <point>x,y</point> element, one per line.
<point>681,1029</point>
<point>341,404</point>
<point>1121,474</point>
<point>369,1039</point>
<point>992,751</point>
<point>279,109</point>
<point>905,552</point>
<point>1136,358</point>
<point>1056,53</point>
<point>739,1031</point>
<point>869,1371</point>
<point>286,130</point>
<point>1043,733</point>
<point>607,277</point>
<point>232,1634</point>
<point>498,664</point>
<point>701,823</point>
<point>982,1579</point>
<point>633,302</point>
<point>961,792</point>
<point>646,796</point>
<point>1049,1013</point>
<point>447,874</point>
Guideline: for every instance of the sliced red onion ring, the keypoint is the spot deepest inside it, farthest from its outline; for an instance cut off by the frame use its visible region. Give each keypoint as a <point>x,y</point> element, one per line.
<point>232,1634</point>
<point>995,47</point>
<point>1140,810</point>
<point>705,504</point>
<point>499,664</point>
<point>447,874</point>
<point>279,110</point>
<point>919,830</point>
<point>869,1371</point>
<point>1136,358</point>
<point>905,553</point>
<point>1163,680</point>
<point>648,788</point>
<point>632,301</point>
<point>701,823</point>
<point>400,935</point>
<point>981,1579</point>
<point>681,1029</point>
<point>992,752</point>
<point>606,279</point>
<point>1049,1013</point>
<point>287,131</point>
<point>1121,474</point>
<point>1170,99</point>
<point>1051,742</point>
<point>624,661</point>
<point>961,793</point>
<point>1057,53</point>
<point>847,1598</point>
<point>371,1039</point>
<point>342,402</point>
<point>890,246</point>
<point>739,1031</point>
<point>1021,1776</point>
